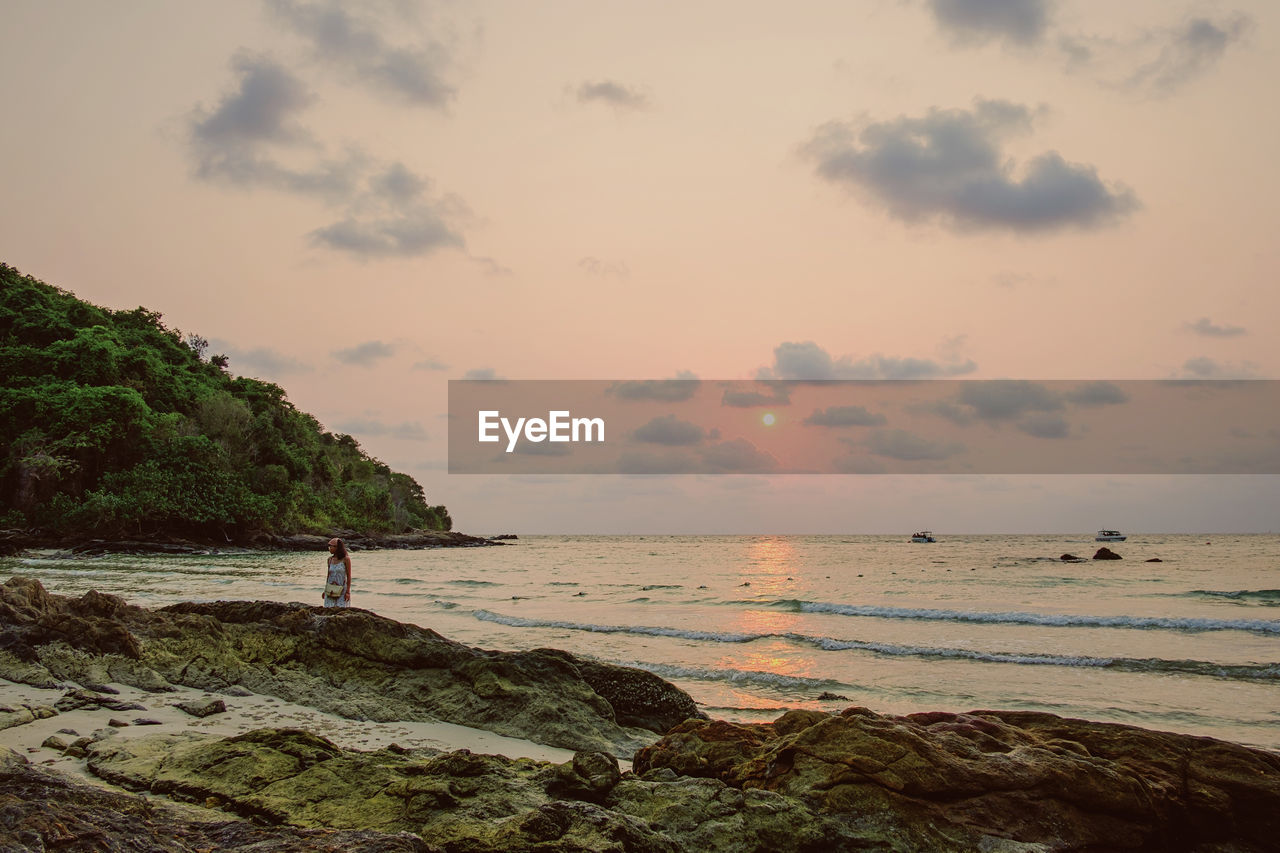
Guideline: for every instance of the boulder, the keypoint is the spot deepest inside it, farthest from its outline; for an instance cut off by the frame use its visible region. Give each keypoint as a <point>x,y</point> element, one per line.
<point>1105,553</point>
<point>344,661</point>
<point>1020,776</point>
<point>202,707</point>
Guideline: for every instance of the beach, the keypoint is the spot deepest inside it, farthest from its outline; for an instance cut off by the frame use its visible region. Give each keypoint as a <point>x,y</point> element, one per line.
<point>304,719</point>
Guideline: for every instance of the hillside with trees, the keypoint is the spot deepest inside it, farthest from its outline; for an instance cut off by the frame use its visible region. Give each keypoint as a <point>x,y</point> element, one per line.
<point>114,426</point>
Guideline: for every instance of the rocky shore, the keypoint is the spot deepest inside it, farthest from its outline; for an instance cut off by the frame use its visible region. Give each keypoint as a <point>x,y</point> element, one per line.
<point>993,781</point>
<point>14,542</point>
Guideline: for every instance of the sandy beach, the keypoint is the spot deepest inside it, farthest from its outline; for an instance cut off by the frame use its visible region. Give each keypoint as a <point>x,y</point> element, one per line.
<point>243,713</point>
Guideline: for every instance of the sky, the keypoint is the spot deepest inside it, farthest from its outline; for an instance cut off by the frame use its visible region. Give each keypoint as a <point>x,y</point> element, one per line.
<point>363,200</point>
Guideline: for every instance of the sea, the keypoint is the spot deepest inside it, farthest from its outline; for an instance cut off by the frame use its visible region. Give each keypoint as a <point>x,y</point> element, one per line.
<point>751,626</point>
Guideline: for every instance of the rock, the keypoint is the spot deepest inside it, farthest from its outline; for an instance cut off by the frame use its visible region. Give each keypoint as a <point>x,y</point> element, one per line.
<point>1105,553</point>
<point>346,661</point>
<point>71,732</point>
<point>1154,560</point>
<point>505,536</point>
<point>1020,776</point>
<point>24,714</point>
<point>827,696</point>
<point>236,690</point>
<point>589,776</point>
<point>146,721</point>
<point>466,802</point>
<point>202,707</point>
<point>45,811</point>
<point>74,700</point>
<point>116,724</point>
<point>54,742</point>
<point>1071,558</point>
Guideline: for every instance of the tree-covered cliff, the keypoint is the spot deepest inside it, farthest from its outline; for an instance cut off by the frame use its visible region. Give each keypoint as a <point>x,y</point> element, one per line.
<point>113,425</point>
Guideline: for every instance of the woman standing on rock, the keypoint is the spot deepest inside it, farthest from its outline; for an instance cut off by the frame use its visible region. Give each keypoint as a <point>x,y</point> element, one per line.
<point>337,587</point>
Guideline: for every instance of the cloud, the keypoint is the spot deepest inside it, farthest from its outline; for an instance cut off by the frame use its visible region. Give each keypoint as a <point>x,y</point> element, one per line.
<point>1100,393</point>
<point>429,364</point>
<point>614,94</point>
<point>1007,400</point>
<point>408,430</point>
<point>262,109</point>
<point>1045,426</point>
<point>909,447</point>
<point>1187,52</point>
<point>1204,327</point>
<point>352,37</point>
<point>1022,22</point>
<point>838,416</point>
<point>401,233</point>
<point>1203,367</point>
<point>597,267</point>
<point>485,373</point>
<point>263,359</point>
<point>683,387</point>
<point>670,431</point>
<point>808,361</point>
<point>252,140</point>
<point>778,394</point>
<point>948,166</point>
<point>365,354</point>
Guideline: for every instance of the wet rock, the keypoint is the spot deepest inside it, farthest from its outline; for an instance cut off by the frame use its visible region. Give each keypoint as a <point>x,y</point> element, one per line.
<point>24,714</point>
<point>346,661</point>
<point>146,721</point>
<point>202,707</point>
<point>1071,558</point>
<point>74,700</point>
<point>589,776</point>
<point>1025,777</point>
<point>1105,553</point>
<point>54,742</point>
<point>116,724</point>
<point>45,811</point>
<point>1154,560</point>
<point>827,696</point>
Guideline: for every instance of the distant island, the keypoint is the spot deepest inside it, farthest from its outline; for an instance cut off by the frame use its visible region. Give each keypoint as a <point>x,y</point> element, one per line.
<point>117,428</point>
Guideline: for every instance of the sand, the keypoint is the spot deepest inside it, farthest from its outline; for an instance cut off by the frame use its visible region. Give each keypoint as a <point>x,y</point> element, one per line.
<point>244,713</point>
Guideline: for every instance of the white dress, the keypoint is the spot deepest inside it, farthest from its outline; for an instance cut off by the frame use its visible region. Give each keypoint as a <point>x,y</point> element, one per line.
<point>337,574</point>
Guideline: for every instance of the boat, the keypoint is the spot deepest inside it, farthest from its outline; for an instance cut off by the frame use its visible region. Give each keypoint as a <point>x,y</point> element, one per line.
<point>1109,536</point>
<point>923,536</point>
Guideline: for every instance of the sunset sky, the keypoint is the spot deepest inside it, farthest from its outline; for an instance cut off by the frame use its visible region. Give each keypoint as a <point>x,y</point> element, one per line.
<point>363,200</point>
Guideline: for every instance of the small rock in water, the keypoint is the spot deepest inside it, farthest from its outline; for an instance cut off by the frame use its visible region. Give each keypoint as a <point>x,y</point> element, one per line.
<point>1155,560</point>
<point>745,583</point>
<point>1069,558</point>
<point>116,724</point>
<point>827,696</point>
<point>1105,553</point>
<point>146,721</point>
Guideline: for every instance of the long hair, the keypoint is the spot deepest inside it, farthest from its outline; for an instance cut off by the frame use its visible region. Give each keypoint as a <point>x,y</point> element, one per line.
<point>340,551</point>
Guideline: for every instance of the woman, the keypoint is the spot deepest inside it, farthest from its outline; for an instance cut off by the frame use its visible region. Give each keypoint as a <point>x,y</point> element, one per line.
<point>337,587</point>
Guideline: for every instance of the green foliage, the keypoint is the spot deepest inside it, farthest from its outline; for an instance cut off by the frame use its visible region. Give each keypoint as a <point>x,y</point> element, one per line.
<point>113,424</point>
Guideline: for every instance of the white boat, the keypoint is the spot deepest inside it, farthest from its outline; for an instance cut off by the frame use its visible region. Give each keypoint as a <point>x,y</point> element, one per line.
<point>1109,536</point>
<point>923,536</point>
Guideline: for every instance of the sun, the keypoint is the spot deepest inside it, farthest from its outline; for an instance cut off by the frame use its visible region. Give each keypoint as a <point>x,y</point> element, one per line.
<point>769,419</point>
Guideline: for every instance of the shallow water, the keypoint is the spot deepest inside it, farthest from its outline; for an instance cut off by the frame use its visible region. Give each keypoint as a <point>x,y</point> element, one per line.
<point>752,624</point>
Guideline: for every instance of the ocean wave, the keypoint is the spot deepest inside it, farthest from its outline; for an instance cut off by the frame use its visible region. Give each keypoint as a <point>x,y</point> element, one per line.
<point>1265,597</point>
<point>465,582</point>
<point>680,633</point>
<point>754,677</point>
<point>1068,620</point>
<point>1234,672</point>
